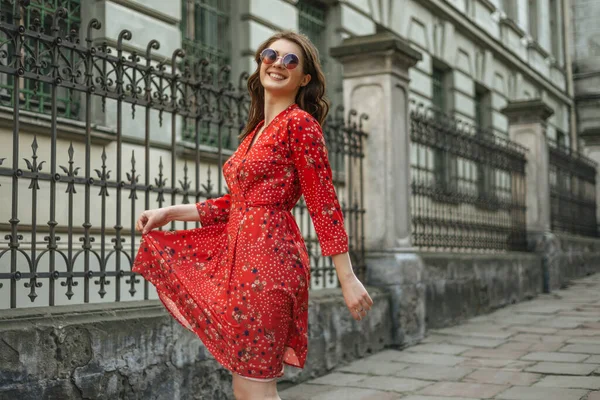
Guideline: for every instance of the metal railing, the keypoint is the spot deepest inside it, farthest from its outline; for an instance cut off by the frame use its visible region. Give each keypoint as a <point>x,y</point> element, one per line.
<point>572,192</point>
<point>90,194</point>
<point>468,186</point>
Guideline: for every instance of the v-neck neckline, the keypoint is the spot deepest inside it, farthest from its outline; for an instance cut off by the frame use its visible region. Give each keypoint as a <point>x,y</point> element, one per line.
<point>261,124</point>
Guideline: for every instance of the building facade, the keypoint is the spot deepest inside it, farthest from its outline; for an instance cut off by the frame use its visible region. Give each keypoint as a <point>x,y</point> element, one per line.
<point>477,54</point>
<point>447,218</point>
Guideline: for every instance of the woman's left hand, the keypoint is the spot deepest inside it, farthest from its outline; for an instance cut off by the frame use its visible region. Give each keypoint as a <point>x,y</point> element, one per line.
<point>356,297</point>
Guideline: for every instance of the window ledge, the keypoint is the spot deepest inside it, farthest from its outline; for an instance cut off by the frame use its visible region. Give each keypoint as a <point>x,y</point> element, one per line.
<point>41,124</point>
<point>187,151</point>
<point>488,4</point>
<point>534,45</point>
<point>514,26</point>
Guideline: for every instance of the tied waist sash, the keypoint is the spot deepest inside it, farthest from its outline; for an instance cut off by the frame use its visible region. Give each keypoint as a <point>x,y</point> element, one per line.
<point>241,204</point>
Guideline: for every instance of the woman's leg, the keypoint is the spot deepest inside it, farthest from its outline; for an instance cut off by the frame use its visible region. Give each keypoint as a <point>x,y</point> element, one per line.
<point>247,389</point>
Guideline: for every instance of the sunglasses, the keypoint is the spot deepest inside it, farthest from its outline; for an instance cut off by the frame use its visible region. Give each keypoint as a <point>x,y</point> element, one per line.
<point>269,56</point>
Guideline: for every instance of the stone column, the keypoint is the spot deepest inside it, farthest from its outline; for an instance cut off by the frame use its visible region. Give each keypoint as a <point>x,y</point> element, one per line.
<point>527,126</point>
<point>376,82</point>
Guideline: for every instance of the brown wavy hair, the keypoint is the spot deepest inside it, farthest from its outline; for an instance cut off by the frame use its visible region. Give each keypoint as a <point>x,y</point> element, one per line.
<point>310,98</point>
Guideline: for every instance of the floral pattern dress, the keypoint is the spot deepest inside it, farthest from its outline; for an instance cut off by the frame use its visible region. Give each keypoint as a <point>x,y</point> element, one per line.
<point>241,281</point>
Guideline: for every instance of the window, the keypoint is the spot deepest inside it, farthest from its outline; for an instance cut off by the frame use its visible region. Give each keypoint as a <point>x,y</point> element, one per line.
<point>486,175</point>
<point>562,140</point>
<point>510,7</point>
<point>438,90</point>
<point>483,109</point>
<point>205,30</point>
<point>445,164</point>
<point>555,29</point>
<point>479,117</point>
<point>533,19</point>
<point>312,21</point>
<point>32,96</point>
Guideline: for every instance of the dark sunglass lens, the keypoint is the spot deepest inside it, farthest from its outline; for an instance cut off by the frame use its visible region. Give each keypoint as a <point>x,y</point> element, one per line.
<point>268,56</point>
<point>291,61</point>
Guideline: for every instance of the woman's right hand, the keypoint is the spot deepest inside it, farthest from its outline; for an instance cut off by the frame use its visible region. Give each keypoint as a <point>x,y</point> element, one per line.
<point>151,219</point>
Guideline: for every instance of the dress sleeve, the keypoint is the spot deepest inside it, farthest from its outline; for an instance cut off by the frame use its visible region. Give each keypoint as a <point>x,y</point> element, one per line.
<point>214,211</point>
<point>310,158</point>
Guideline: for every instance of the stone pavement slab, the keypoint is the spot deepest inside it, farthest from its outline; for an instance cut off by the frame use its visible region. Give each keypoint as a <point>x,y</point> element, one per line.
<point>435,372</point>
<point>593,360</point>
<point>546,347</point>
<point>555,356</point>
<point>494,353</point>
<point>339,379</point>
<point>532,338</point>
<point>585,339</point>
<point>585,348</point>
<point>540,306</point>
<point>337,393</point>
<point>502,377</point>
<point>466,341</point>
<point>540,393</point>
<point>439,348</point>
<point>575,382</point>
<point>392,384</point>
<point>374,367</point>
<point>458,389</point>
<point>476,332</point>
<point>517,346</point>
<point>558,368</point>
<point>533,329</point>
<point>305,391</point>
<point>420,397</point>
<point>431,359</point>
<point>593,396</point>
<point>562,322</point>
<point>511,365</point>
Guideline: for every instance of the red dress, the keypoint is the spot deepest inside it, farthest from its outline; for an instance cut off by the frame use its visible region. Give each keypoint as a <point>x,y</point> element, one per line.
<point>240,282</point>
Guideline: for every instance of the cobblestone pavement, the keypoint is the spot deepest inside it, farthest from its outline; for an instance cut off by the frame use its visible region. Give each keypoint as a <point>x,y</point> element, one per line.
<point>544,349</point>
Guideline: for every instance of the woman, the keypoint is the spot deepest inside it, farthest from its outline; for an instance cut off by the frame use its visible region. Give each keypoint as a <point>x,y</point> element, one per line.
<point>240,282</point>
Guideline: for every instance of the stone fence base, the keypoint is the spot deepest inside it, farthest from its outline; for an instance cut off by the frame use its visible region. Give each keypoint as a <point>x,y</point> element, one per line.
<point>565,257</point>
<point>460,286</point>
<point>136,350</point>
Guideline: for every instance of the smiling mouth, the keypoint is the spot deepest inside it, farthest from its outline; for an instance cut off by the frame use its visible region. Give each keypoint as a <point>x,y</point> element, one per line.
<point>276,76</point>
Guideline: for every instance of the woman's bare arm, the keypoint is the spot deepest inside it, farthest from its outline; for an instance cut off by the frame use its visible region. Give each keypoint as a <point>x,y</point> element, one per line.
<point>182,212</point>
<point>158,217</point>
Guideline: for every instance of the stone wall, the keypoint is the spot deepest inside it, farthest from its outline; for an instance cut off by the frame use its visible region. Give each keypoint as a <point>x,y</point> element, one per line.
<point>460,286</point>
<point>566,257</point>
<point>137,350</point>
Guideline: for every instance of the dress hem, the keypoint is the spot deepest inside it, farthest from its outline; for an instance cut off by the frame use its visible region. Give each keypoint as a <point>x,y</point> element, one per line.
<point>173,280</point>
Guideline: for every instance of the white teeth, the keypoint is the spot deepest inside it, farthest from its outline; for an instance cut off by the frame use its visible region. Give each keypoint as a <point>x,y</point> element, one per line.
<point>276,76</point>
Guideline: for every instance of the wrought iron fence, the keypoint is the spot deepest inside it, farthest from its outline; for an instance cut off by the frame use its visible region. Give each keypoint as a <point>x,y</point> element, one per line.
<point>468,186</point>
<point>572,192</point>
<point>95,193</point>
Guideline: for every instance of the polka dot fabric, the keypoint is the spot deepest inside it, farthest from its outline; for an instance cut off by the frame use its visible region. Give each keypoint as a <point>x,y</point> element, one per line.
<point>240,282</point>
